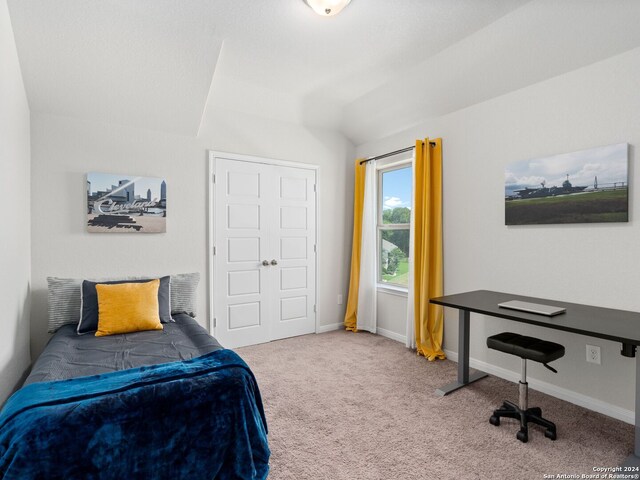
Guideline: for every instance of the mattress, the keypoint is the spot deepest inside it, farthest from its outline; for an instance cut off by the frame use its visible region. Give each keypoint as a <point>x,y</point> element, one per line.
<point>69,355</point>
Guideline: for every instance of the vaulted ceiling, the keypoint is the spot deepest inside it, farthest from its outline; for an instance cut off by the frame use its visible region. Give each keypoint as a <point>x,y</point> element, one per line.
<point>377,67</point>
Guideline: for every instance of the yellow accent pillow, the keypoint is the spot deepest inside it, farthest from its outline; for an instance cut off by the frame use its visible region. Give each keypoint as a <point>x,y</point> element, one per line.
<point>128,307</point>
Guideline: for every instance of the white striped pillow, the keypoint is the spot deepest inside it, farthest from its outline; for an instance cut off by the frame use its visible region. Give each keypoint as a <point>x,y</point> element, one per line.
<point>63,302</point>
<point>183,293</point>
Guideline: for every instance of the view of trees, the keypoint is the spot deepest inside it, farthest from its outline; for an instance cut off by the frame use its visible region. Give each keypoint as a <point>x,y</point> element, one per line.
<point>394,261</point>
<point>399,238</point>
<point>391,260</point>
<point>396,215</point>
<point>396,196</point>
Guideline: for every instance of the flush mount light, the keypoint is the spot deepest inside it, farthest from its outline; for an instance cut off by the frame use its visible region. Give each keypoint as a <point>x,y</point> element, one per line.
<point>327,8</point>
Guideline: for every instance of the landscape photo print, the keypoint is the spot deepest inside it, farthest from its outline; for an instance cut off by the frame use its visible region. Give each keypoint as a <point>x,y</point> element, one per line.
<point>587,186</point>
<point>126,203</point>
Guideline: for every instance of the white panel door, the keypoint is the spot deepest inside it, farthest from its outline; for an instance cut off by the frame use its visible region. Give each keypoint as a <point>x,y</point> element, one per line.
<point>264,282</point>
<point>295,234</point>
<point>241,242</point>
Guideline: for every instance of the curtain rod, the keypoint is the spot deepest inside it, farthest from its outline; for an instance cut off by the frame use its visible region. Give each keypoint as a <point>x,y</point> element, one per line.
<point>385,155</point>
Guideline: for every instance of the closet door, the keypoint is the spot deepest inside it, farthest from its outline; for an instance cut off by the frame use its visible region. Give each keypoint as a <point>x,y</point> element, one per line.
<point>294,235</point>
<point>264,275</point>
<point>241,240</point>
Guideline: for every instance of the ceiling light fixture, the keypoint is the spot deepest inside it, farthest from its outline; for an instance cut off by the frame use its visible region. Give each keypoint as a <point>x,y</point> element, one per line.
<point>327,8</point>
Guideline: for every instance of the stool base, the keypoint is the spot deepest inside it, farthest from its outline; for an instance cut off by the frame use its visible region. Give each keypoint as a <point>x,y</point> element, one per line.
<point>530,415</point>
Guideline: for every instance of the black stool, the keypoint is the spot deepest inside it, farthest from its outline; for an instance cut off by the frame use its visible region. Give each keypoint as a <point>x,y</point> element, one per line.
<point>527,348</point>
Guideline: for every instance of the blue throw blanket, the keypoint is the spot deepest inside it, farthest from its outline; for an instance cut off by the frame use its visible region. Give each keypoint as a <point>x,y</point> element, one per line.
<point>197,419</point>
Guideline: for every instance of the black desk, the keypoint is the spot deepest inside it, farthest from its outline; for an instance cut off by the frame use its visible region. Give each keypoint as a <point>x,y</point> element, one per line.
<point>616,325</point>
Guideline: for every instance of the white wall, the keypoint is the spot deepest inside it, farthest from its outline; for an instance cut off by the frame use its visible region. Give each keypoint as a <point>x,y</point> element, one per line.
<point>586,263</point>
<point>15,261</point>
<point>65,149</point>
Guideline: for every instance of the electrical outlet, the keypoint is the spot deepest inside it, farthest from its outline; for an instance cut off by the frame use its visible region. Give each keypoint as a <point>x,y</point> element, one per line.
<point>339,299</point>
<point>593,354</point>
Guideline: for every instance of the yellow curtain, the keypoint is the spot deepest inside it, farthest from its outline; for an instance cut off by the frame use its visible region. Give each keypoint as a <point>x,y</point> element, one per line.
<point>427,262</point>
<point>351,314</point>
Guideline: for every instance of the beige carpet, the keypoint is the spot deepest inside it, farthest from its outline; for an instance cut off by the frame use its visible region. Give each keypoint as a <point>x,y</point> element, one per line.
<point>358,406</point>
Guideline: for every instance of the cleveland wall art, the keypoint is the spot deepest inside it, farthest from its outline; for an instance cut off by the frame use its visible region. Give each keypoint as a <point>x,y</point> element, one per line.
<point>588,186</point>
<point>126,203</point>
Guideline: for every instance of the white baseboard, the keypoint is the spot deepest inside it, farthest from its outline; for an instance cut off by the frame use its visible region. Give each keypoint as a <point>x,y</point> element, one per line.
<point>379,331</point>
<point>329,328</point>
<point>392,335</point>
<point>570,396</point>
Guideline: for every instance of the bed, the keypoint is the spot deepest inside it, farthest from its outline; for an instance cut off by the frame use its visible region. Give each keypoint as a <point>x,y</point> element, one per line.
<point>166,404</point>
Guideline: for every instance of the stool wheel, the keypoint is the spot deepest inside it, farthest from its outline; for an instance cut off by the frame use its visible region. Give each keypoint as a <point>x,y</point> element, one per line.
<point>550,434</point>
<point>494,420</point>
<point>522,436</point>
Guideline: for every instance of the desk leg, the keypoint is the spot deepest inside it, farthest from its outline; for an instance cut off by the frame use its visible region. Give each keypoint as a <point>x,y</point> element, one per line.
<point>633,460</point>
<point>464,378</point>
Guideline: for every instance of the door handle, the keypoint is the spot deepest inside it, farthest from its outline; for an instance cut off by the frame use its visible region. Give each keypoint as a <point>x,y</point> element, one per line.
<point>265,263</point>
<point>274,262</point>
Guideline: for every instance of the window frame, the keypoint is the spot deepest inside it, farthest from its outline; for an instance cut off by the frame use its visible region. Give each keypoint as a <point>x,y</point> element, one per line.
<point>380,226</point>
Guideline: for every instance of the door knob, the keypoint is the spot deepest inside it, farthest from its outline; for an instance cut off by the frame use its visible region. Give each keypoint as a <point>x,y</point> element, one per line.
<point>274,262</point>
<point>265,263</point>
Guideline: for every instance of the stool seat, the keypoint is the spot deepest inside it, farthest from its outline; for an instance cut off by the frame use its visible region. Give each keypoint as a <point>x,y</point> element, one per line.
<point>526,347</point>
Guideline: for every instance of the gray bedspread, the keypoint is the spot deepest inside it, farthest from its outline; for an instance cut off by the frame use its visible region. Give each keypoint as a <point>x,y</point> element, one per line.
<point>70,355</point>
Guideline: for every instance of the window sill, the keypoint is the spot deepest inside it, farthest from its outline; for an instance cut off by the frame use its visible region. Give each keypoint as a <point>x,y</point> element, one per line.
<point>392,290</point>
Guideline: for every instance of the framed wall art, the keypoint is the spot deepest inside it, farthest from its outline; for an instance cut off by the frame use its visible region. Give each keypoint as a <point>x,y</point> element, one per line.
<point>126,203</point>
<point>587,186</point>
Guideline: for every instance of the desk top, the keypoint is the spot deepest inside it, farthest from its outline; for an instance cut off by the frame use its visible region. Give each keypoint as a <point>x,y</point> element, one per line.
<point>617,325</point>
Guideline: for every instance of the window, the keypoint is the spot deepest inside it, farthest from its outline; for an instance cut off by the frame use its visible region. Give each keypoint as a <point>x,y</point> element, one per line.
<point>395,187</point>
